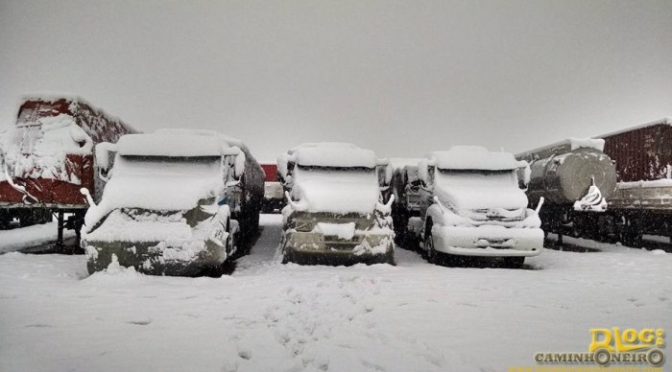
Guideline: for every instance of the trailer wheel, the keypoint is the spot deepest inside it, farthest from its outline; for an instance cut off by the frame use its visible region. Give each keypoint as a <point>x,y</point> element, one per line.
<point>632,233</point>
<point>5,219</point>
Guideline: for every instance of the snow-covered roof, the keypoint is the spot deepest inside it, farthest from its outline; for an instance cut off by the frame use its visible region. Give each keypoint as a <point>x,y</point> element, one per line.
<point>474,158</point>
<point>400,163</point>
<point>664,121</point>
<point>332,154</point>
<point>167,144</point>
<point>564,146</point>
<point>232,141</point>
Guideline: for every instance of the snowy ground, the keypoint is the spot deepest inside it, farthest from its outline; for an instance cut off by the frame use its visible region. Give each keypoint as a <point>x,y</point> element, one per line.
<point>30,237</point>
<point>272,317</point>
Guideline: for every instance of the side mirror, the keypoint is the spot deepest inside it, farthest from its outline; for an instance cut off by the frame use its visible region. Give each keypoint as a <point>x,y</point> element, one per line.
<point>239,165</point>
<point>105,153</point>
<point>384,172</point>
<point>290,168</point>
<point>523,175</point>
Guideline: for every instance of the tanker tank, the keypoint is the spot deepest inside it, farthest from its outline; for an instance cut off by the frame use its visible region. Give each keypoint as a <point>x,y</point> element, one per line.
<point>573,172</point>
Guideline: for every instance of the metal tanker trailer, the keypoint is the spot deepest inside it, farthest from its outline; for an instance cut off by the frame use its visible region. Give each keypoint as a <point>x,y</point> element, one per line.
<point>576,180</point>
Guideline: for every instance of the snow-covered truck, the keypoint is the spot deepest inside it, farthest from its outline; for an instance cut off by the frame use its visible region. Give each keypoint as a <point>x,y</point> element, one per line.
<point>335,209</point>
<point>177,202</point>
<point>466,202</point>
<point>274,198</point>
<point>47,157</point>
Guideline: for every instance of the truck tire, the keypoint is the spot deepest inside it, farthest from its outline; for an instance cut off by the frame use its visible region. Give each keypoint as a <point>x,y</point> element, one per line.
<point>286,258</point>
<point>514,262</point>
<point>430,253</point>
<point>400,221</point>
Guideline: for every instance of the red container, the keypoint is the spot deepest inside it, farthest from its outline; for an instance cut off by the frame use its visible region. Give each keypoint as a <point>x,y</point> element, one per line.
<point>74,169</point>
<point>642,153</point>
<point>271,171</point>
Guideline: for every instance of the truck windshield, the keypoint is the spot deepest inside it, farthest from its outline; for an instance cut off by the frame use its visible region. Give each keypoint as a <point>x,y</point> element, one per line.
<point>477,178</point>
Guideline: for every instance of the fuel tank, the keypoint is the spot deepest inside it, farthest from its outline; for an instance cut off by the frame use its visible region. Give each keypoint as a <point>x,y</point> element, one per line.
<point>565,174</point>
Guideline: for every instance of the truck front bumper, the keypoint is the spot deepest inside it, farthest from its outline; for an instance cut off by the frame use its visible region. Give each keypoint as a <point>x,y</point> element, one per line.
<point>315,247</point>
<point>156,258</point>
<point>488,241</point>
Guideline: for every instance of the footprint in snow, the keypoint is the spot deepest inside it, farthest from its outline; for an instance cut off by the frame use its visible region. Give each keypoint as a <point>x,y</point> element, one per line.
<point>373,366</point>
<point>38,325</point>
<point>140,322</point>
<point>245,354</point>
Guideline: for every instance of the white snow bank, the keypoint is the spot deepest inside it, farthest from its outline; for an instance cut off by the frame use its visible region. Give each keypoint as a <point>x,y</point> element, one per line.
<point>476,158</point>
<point>332,154</point>
<point>337,191</point>
<point>27,237</point>
<point>409,317</point>
<point>171,145</point>
<point>663,182</point>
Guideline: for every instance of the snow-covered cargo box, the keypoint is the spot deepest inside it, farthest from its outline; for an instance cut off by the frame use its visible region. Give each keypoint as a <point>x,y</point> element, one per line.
<point>335,211</point>
<point>643,156</point>
<point>642,153</point>
<point>176,202</point>
<point>48,155</point>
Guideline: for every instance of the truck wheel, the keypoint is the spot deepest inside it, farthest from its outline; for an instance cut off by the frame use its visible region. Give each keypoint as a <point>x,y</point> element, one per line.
<point>431,254</point>
<point>400,222</point>
<point>286,258</point>
<point>514,262</point>
<point>389,258</point>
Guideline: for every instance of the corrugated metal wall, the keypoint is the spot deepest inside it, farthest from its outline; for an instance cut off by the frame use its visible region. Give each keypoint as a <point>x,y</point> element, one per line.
<point>641,154</point>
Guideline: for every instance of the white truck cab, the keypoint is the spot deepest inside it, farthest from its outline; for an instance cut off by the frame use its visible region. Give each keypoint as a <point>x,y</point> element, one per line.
<point>467,202</point>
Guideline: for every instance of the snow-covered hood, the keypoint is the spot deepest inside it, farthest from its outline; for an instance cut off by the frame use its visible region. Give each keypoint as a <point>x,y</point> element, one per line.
<point>159,186</point>
<point>343,198</point>
<point>487,198</point>
<point>149,228</point>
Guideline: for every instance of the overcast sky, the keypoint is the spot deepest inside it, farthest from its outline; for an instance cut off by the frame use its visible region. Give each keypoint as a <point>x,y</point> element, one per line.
<point>401,78</point>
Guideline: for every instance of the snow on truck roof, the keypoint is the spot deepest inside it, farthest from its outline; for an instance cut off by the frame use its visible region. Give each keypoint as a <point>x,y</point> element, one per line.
<point>474,158</point>
<point>570,144</point>
<point>180,143</point>
<point>332,154</point>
